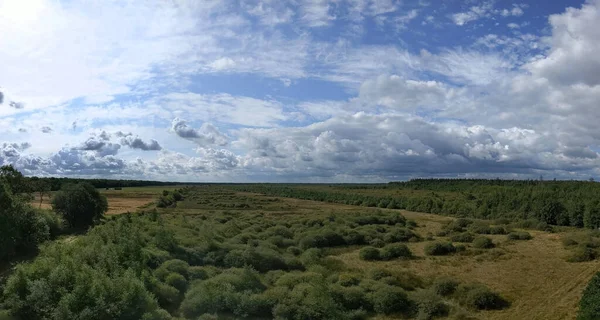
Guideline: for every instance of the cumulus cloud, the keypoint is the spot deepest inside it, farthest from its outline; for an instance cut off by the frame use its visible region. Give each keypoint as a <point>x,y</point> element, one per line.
<point>137,143</point>
<point>46,129</point>
<point>206,135</point>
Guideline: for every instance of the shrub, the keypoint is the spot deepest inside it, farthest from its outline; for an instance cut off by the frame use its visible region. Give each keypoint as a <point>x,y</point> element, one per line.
<point>377,274</point>
<point>351,298</point>
<point>174,265</point>
<point>168,296</point>
<point>444,286</point>
<point>197,273</point>
<point>430,305</point>
<point>480,229</point>
<point>480,297</point>
<point>399,235</point>
<point>582,254</point>
<point>519,235</point>
<point>176,281</point>
<point>81,205</point>
<point>462,237</point>
<point>589,306</point>
<point>54,222</point>
<point>388,300</point>
<point>393,251</point>
<point>377,243</point>
<point>294,250</point>
<point>369,254</point>
<point>497,230</point>
<point>483,243</point>
<point>347,280</point>
<point>310,301</point>
<point>439,248</point>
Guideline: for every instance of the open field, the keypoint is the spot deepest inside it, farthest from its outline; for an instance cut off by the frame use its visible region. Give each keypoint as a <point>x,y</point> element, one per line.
<point>218,229</point>
<point>120,201</point>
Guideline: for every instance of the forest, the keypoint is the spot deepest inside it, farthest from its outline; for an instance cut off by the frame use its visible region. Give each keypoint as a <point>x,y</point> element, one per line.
<point>564,203</point>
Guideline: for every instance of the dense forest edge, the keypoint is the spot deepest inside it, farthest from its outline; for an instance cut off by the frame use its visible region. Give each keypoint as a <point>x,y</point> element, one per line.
<point>156,264</point>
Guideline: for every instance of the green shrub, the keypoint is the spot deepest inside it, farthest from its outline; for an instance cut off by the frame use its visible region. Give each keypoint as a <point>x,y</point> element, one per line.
<point>480,297</point>
<point>294,250</point>
<point>369,254</point>
<point>351,298</point>
<point>445,286</point>
<point>377,243</point>
<point>377,274</point>
<point>396,250</point>
<point>308,301</point>
<point>347,280</point>
<point>54,222</point>
<point>389,300</point>
<point>439,248</point>
<point>483,243</point>
<point>582,254</point>
<point>177,281</point>
<point>462,237</point>
<point>197,273</point>
<point>497,230</point>
<point>175,265</point>
<point>589,305</point>
<point>399,235</point>
<point>430,305</point>
<point>168,296</point>
<point>480,229</point>
<point>519,235</point>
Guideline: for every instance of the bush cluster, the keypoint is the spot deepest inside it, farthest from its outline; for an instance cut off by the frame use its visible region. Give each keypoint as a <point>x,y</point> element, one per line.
<point>438,248</point>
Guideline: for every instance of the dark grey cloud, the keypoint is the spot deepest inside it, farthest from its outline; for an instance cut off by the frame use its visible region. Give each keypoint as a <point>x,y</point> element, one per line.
<point>1,97</point>
<point>46,129</point>
<point>205,136</point>
<point>22,130</point>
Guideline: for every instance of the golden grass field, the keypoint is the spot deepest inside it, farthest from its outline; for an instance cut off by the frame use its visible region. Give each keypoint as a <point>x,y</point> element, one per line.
<point>120,201</point>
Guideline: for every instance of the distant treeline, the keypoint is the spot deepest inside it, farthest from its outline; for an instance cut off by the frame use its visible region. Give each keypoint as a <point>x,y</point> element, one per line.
<point>569,203</point>
<point>57,183</point>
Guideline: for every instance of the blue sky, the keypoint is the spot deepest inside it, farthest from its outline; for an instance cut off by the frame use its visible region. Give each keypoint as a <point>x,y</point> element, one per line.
<point>305,90</point>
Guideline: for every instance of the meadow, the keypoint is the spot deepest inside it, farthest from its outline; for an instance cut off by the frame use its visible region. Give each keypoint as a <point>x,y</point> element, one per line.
<point>222,252</point>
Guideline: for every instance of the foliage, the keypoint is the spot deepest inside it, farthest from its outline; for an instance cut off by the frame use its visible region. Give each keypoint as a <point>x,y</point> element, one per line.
<point>589,306</point>
<point>445,286</point>
<point>519,235</point>
<point>480,297</point>
<point>80,204</point>
<point>483,243</point>
<point>369,254</point>
<point>395,250</point>
<point>439,248</point>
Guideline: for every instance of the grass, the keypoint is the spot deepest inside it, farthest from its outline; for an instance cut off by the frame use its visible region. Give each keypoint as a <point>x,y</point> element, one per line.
<point>120,201</point>
<point>517,270</point>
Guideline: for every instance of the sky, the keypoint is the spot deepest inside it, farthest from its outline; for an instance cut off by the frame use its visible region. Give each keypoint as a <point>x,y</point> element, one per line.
<point>300,90</point>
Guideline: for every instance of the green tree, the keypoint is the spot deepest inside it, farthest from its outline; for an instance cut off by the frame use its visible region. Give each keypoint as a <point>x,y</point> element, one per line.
<point>80,204</point>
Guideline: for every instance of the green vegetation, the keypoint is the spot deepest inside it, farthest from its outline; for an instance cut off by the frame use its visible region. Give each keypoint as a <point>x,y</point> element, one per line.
<point>589,306</point>
<point>439,248</point>
<point>567,203</point>
<point>240,263</point>
<point>519,235</point>
<point>483,243</point>
<point>81,205</point>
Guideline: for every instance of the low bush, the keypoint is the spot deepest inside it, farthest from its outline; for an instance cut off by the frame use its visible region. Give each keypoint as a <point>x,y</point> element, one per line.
<point>480,297</point>
<point>462,237</point>
<point>439,248</point>
<point>445,286</point>
<point>430,305</point>
<point>177,281</point>
<point>497,230</point>
<point>197,273</point>
<point>582,254</point>
<point>387,300</point>
<point>480,229</point>
<point>369,254</point>
<point>396,250</point>
<point>483,243</point>
<point>589,305</point>
<point>519,235</point>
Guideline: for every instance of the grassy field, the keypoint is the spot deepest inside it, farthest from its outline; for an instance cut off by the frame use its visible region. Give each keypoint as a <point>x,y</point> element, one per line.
<point>120,201</point>
<point>533,275</point>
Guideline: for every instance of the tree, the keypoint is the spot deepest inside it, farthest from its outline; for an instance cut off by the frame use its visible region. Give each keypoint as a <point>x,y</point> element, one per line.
<point>80,204</point>
<point>42,187</point>
<point>13,179</point>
